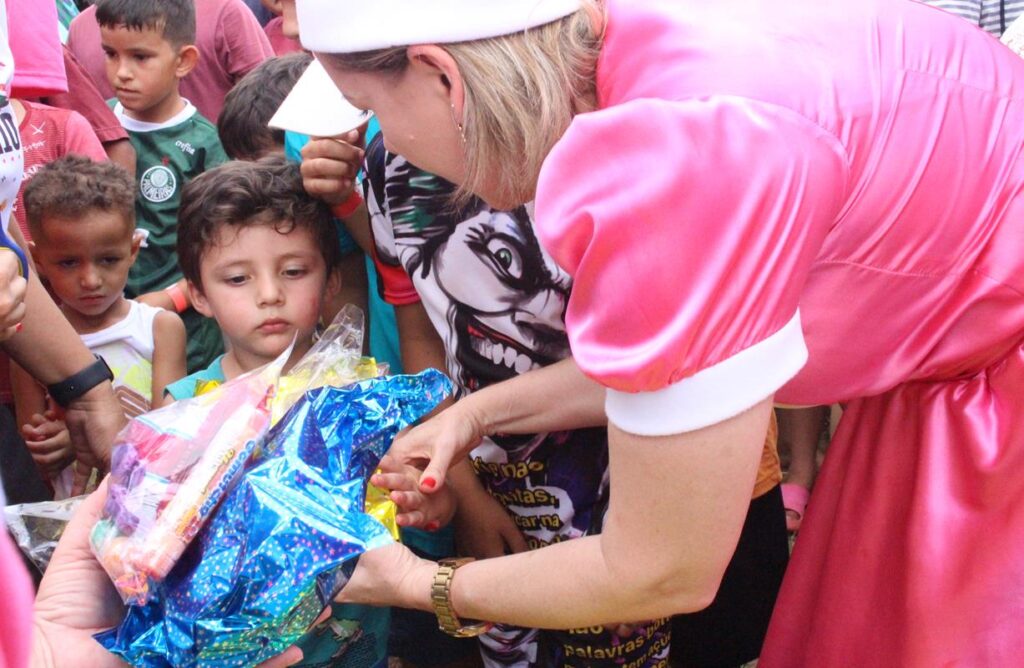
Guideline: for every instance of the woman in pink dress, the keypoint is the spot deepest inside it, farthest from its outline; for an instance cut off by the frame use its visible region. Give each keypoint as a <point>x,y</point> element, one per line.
<point>800,202</point>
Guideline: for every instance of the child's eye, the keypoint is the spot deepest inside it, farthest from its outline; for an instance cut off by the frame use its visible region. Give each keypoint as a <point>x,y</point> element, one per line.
<point>142,57</point>
<point>67,264</point>
<point>111,260</point>
<point>234,280</point>
<point>295,272</point>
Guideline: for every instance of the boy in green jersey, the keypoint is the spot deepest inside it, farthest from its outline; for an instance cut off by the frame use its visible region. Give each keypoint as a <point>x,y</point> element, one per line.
<point>149,47</point>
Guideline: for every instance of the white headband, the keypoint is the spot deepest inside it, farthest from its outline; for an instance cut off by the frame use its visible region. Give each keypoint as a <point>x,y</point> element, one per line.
<point>348,26</point>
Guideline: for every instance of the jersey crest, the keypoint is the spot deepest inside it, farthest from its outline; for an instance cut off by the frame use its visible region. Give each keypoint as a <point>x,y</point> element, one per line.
<point>158,184</point>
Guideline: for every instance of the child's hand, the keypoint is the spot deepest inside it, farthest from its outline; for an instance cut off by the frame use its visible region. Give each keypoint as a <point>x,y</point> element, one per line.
<point>415,509</point>
<point>329,167</point>
<point>484,529</point>
<point>49,442</point>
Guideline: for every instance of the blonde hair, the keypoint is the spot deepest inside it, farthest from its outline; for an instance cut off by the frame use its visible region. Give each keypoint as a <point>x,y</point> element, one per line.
<point>522,91</point>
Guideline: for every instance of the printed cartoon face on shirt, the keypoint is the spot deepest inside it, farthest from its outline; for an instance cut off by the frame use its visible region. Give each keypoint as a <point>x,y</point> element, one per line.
<point>506,294</point>
<point>505,297</point>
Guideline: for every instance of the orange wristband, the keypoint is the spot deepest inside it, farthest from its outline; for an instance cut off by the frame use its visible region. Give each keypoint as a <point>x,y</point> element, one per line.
<point>349,206</point>
<point>178,297</point>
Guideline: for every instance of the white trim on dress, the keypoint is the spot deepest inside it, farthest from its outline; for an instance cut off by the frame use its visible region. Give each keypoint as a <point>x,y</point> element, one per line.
<point>714,394</point>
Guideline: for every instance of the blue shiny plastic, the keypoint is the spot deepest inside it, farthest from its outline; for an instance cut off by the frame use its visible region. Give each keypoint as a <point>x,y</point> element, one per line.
<point>286,537</point>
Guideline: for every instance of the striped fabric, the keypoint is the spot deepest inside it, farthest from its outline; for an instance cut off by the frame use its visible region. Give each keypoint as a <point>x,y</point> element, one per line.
<point>66,10</point>
<point>992,15</point>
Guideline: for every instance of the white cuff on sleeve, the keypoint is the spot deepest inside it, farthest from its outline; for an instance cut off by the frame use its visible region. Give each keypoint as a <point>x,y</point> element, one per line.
<point>716,393</point>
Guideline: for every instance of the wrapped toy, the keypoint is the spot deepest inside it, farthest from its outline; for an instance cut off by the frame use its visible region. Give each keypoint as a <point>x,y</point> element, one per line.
<point>285,539</point>
<point>37,527</point>
<point>336,359</point>
<point>169,470</point>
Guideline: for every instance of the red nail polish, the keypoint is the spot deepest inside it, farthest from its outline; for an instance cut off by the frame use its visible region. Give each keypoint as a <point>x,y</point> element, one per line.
<point>18,327</point>
<point>433,525</point>
<point>429,483</point>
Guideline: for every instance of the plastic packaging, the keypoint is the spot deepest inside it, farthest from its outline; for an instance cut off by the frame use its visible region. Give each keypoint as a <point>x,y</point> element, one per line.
<point>335,360</point>
<point>169,470</point>
<point>284,541</point>
<point>37,527</point>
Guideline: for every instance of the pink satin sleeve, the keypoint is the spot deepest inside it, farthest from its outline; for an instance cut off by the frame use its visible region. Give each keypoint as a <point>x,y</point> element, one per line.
<point>689,228</point>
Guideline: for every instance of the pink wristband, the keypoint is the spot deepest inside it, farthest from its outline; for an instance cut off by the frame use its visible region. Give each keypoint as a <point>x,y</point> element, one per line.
<point>178,297</point>
<point>349,206</point>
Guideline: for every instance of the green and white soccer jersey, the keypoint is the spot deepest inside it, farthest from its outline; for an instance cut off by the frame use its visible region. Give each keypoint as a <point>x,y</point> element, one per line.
<point>169,155</point>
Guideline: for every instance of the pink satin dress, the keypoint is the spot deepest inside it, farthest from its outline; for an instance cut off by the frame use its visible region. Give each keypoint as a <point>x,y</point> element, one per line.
<point>823,200</point>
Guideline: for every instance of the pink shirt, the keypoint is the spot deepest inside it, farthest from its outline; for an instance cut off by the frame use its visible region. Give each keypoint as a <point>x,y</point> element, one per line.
<point>811,201</point>
<point>48,133</point>
<point>230,40</point>
<point>35,43</point>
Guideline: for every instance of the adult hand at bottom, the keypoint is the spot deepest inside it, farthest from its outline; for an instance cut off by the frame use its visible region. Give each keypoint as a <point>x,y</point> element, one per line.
<point>76,600</point>
<point>390,576</point>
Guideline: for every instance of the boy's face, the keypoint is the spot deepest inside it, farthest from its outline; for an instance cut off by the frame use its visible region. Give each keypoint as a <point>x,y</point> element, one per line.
<point>143,68</point>
<point>263,288</point>
<point>86,260</point>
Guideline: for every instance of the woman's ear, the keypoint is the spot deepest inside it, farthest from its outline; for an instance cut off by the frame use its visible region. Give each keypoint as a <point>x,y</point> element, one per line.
<point>432,61</point>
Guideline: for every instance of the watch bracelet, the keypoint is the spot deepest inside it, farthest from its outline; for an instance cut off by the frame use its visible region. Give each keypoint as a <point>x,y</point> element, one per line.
<point>440,598</point>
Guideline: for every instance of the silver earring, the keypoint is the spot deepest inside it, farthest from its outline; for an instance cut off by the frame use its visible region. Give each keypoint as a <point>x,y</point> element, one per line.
<point>462,132</point>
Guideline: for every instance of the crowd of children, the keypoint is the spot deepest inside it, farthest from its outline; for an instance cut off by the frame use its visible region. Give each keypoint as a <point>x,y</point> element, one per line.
<point>200,254</point>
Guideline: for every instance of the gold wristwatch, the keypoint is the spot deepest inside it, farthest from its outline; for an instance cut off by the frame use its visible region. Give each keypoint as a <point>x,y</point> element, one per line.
<point>441,598</point>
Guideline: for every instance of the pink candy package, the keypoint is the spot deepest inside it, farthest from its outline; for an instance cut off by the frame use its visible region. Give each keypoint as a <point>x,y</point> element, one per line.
<point>169,470</point>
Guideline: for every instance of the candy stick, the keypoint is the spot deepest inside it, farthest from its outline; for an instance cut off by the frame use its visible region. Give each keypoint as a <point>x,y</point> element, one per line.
<point>202,489</point>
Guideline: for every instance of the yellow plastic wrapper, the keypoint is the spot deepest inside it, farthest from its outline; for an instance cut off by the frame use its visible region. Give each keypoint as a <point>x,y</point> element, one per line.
<point>336,360</point>
<point>381,508</point>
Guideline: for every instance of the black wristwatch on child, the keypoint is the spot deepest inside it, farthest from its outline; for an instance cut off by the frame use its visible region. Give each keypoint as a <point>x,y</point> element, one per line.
<point>78,384</point>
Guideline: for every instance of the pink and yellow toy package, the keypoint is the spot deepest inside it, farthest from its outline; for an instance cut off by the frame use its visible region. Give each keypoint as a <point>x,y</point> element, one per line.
<point>170,469</point>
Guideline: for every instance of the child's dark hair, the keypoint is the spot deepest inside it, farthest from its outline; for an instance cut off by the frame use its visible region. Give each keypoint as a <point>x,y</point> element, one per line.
<point>175,19</point>
<point>72,186</point>
<point>242,124</point>
<point>245,194</point>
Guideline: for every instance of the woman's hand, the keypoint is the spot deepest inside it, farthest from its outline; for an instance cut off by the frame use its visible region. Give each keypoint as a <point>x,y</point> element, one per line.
<point>434,445</point>
<point>390,576</point>
<point>12,294</point>
<point>76,600</point>
<point>416,509</point>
